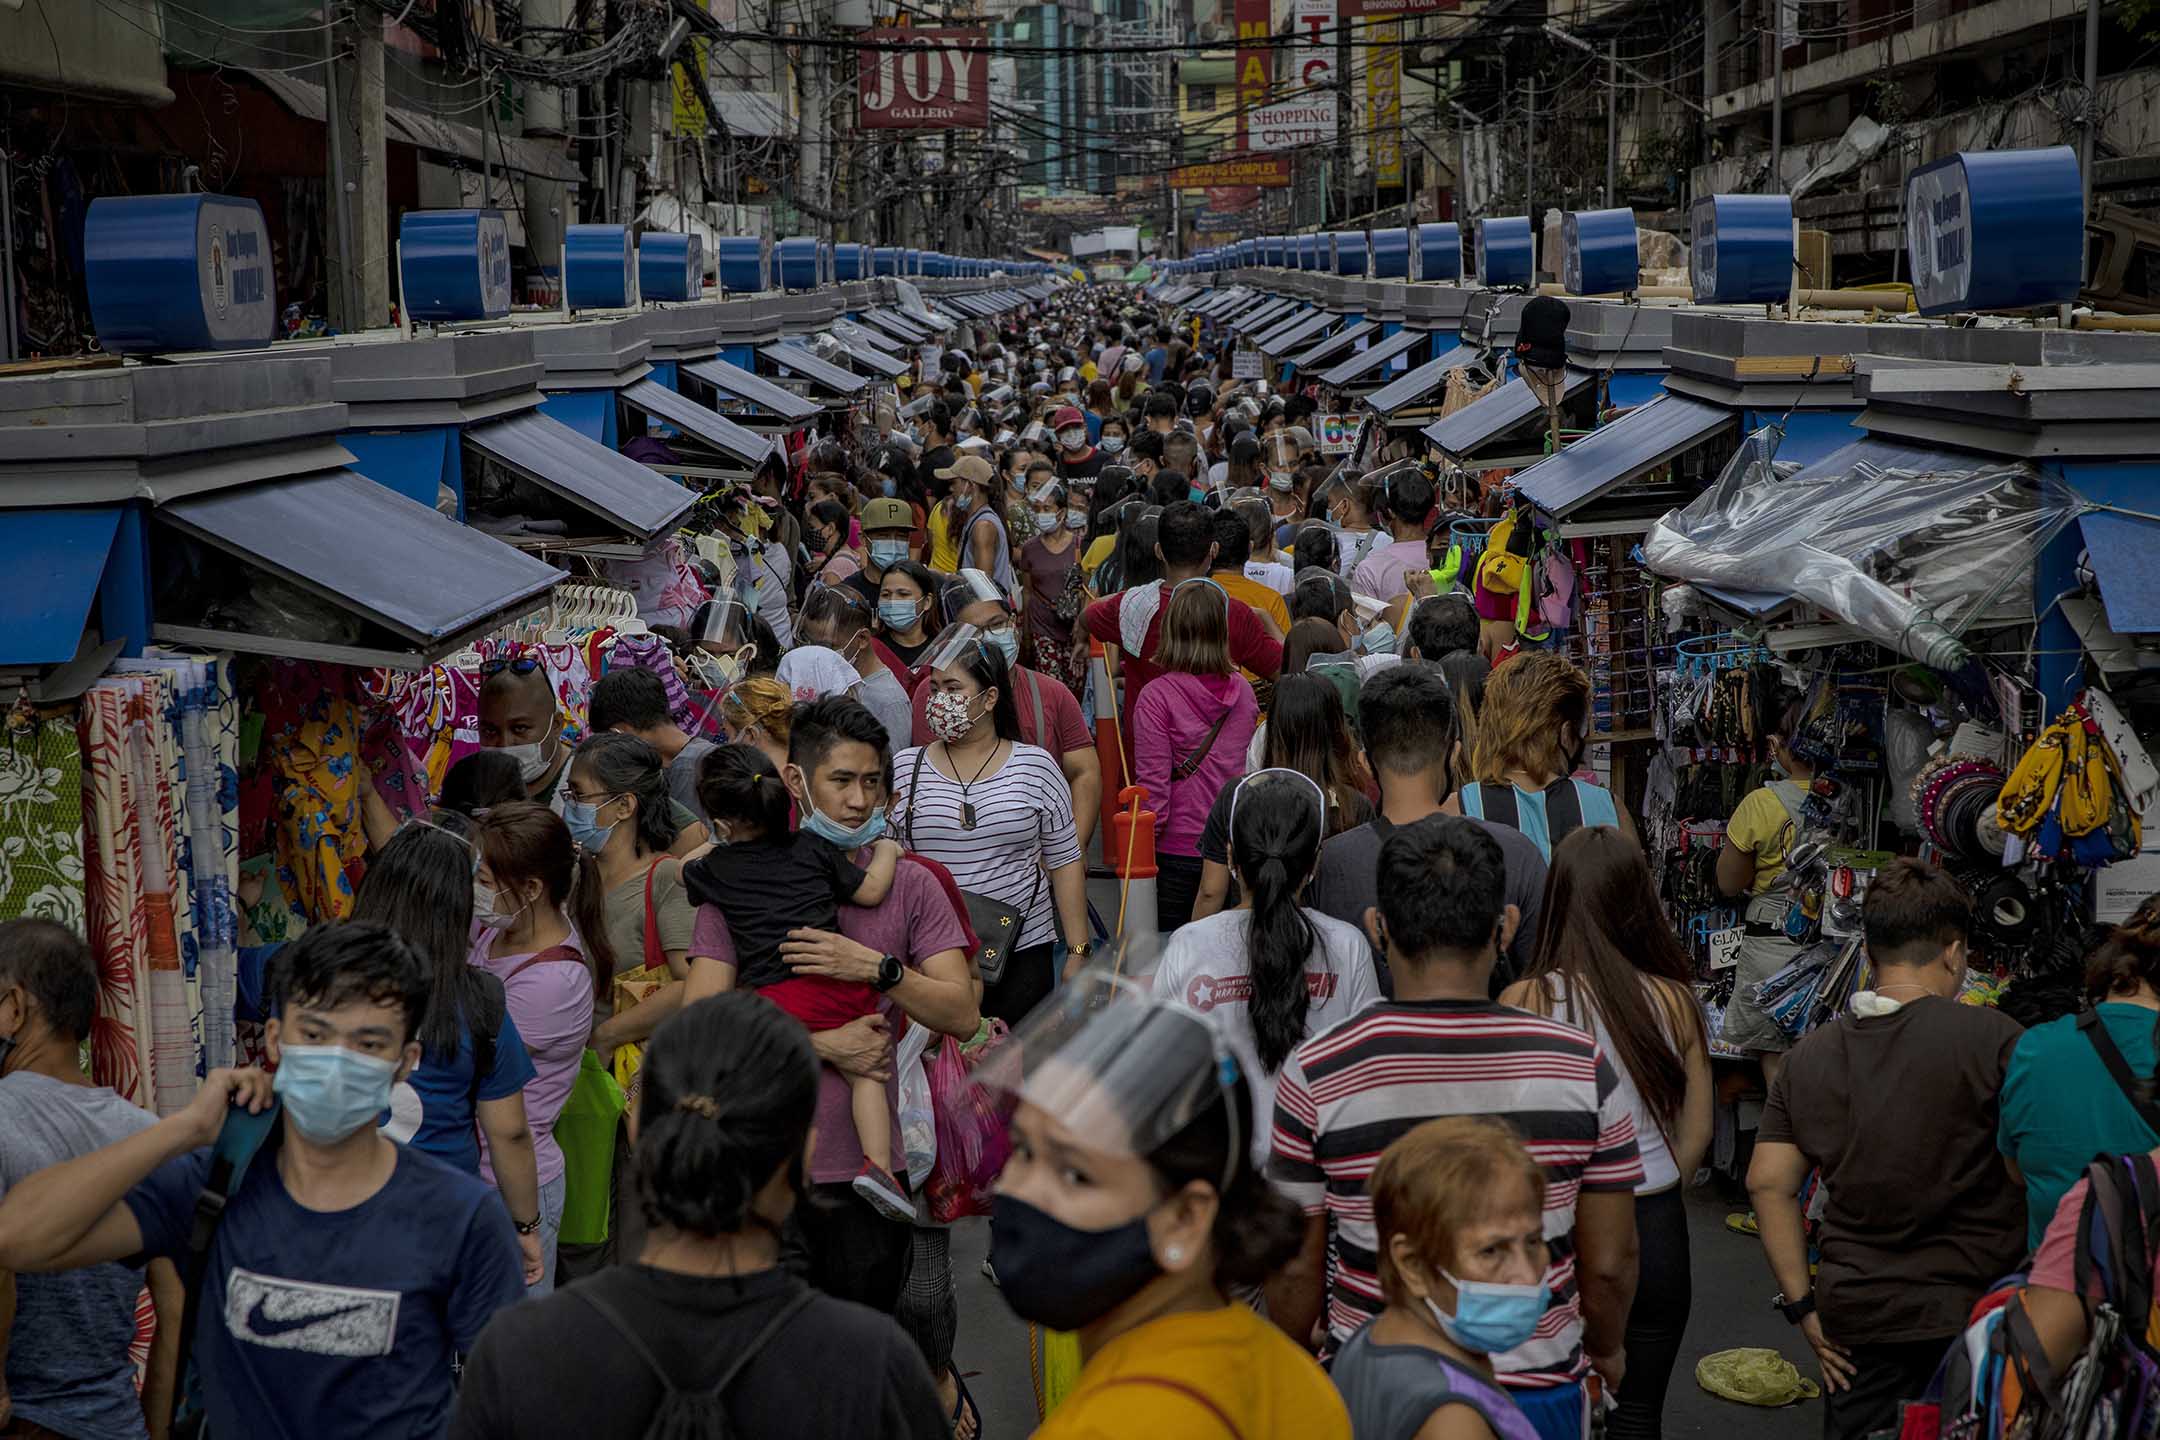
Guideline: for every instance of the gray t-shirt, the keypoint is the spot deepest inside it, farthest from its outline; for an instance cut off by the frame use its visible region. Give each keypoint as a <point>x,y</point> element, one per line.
<point>1392,1390</point>
<point>881,693</point>
<point>67,1361</point>
<point>1347,884</point>
<point>682,775</point>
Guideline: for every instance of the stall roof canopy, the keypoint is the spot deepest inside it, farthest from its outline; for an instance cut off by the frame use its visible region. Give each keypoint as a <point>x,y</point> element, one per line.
<point>1614,454</point>
<point>1265,314</point>
<point>1220,300</point>
<point>1495,414</point>
<point>844,383</point>
<point>2121,549</point>
<point>1264,337</point>
<point>428,132</point>
<point>1406,390</point>
<point>709,426</point>
<point>1335,344</point>
<point>904,328</point>
<point>1279,340</point>
<point>630,497</point>
<point>1372,357</point>
<point>46,588</point>
<point>874,360</point>
<point>752,389</point>
<point>421,575</point>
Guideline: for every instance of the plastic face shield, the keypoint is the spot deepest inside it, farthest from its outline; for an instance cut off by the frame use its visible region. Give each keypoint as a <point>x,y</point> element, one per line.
<point>969,587</point>
<point>1119,1071</point>
<point>956,643</point>
<point>722,626</point>
<point>1277,775</point>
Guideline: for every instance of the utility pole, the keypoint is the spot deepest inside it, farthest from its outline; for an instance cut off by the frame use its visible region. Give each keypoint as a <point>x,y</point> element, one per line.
<point>1612,122</point>
<point>1345,103</point>
<point>1777,98</point>
<point>2088,133</point>
<point>1537,228</point>
<point>360,222</point>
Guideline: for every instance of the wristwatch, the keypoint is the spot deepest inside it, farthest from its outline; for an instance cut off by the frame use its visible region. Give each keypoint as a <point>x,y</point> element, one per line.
<point>1083,951</point>
<point>889,973</point>
<point>1794,1311</point>
<point>525,1227</point>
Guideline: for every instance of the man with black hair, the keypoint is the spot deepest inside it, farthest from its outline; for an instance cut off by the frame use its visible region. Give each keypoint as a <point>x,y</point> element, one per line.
<point>66,1336</point>
<point>1144,453</point>
<point>1896,1102</point>
<point>913,949</point>
<point>1412,737</point>
<point>1440,1047</point>
<point>1440,625</point>
<point>1405,500</point>
<point>1157,355</point>
<point>839,619</point>
<point>635,702</point>
<point>1132,619</point>
<point>934,433</point>
<point>346,1272</point>
<point>1233,550</point>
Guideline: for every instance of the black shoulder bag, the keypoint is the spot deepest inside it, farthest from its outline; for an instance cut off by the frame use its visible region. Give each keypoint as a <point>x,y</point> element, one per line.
<point>997,925</point>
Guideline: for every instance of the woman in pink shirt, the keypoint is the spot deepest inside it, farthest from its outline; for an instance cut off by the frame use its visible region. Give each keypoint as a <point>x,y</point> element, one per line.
<point>543,933</point>
<point>1190,731</point>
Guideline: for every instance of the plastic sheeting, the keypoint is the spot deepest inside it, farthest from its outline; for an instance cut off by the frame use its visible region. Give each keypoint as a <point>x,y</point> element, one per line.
<point>1909,546</point>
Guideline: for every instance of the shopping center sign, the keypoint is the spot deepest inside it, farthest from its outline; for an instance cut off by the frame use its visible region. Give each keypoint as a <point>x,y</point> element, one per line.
<point>928,79</point>
<point>1291,123</point>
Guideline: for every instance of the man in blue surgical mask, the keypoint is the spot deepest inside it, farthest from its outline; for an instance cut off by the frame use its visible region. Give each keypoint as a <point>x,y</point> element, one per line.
<point>346,1273</point>
<point>888,527</point>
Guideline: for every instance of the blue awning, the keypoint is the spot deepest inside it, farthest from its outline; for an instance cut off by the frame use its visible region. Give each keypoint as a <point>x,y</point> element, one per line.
<point>56,559</point>
<point>1265,339</point>
<point>1492,415</point>
<point>1335,344</point>
<point>1220,300</point>
<point>1406,390</point>
<point>1283,338</point>
<point>1612,455</point>
<point>1372,357</point>
<point>371,551</point>
<point>709,426</point>
<point>776,400</point>
<point>2122,549</point>
<point>1263,315</point>
<point>873,360</point>
<point>629,497</point>
<point>845,384</point>
<point>907,331</point>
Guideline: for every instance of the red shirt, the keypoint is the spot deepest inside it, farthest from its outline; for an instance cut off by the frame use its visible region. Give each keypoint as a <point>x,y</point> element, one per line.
<point>1250,644</point>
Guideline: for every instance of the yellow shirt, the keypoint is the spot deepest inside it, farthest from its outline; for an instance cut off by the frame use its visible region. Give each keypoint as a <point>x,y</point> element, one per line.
<point>1761,825</point>
<point>1098,551</point>
<point>1087,371</point>
<point>1239,586</point>
<point>944,543</point>
<point>1219,1365</point>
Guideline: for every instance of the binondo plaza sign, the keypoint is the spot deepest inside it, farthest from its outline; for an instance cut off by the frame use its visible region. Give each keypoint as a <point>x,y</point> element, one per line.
<point>924,79</point>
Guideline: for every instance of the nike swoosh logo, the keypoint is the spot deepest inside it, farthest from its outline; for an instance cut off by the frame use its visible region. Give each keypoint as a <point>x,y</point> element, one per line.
<point>264,1326</point>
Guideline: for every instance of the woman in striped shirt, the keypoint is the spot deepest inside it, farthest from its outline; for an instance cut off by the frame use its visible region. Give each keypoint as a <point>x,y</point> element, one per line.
<point>996,813</point>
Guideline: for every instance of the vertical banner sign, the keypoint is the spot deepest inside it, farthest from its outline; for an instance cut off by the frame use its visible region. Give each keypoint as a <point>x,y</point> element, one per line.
<point>1255,60</point>
<point>924,79</point>
<point>1383,100</point>
<point>1313,56</point>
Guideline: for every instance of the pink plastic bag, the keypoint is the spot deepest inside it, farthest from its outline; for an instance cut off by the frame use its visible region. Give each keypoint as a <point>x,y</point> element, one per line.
<point>972,1141</point>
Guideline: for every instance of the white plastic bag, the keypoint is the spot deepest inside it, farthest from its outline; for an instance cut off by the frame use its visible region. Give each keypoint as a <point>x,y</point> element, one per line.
<point>918,1121</point>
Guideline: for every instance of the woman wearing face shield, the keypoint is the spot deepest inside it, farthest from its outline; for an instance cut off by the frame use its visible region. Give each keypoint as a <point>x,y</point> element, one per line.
<point>1053,591</point>
<point>1459,1202</point>
<point>1129,1214</point>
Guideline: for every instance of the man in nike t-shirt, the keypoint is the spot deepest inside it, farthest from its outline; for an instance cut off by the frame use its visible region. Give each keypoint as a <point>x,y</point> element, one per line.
<point>348,1272</point>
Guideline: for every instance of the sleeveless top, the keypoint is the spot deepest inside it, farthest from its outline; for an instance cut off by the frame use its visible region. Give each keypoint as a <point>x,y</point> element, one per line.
<point>1392,1390</point>
<point>1659,1167</point>
<point>1001,567</point>
<point>1545,816</point>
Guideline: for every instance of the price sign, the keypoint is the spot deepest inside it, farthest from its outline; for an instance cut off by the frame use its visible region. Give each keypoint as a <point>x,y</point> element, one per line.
<point>1245,365</point>
<point>1725,947</point>
<point>1336,433</point>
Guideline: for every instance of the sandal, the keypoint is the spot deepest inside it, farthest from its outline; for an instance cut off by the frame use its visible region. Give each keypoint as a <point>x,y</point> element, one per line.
<point>966,1415</point>
<point>1743,1223</point>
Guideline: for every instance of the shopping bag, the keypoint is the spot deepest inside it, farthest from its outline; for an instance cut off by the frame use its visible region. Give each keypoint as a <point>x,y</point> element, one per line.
<point>972,1142</point>
<point>586,1132</point>
<point>918,1113</point>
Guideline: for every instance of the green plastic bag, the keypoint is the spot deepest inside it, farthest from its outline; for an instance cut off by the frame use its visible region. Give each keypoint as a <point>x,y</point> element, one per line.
<point>1754,1377</point>
<point>586,1132</point>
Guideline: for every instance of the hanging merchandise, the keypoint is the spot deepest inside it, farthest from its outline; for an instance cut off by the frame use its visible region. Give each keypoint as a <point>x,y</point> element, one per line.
<point>41,818</point>
<point>2066,799</point>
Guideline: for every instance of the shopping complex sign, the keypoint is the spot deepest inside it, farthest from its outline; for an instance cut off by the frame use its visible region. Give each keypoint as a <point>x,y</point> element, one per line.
<point>925,79</point>
<point>1267,170</point>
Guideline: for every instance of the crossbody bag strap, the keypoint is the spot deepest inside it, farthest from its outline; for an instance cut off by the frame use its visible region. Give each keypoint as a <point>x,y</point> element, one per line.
<point>553,955</point>
<point>654,953</point>
<point>2096,1032</point>
<point>1186,768</point>
<point>914,795</point>
<point>621,1326</point>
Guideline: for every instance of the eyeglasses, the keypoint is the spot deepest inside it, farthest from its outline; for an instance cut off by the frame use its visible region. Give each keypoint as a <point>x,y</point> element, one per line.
<point>516,665</point>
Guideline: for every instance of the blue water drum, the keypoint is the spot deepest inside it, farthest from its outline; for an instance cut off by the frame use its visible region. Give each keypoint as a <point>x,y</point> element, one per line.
<point>456,264</point>
<point>670,266</point>
<point>887,259</point>
<point>1505,253</point>
<point>1312,252</point>
<point>1436,253</point>
<point>1350,252</point>
<point>796,259</point>
<point>599,267</point>
<point>1740,249</point>
<point>183,272</point>
<point>851,262</point>
<point>1996,230</point>
<point>1391,253</point>
<point>1597,252</point>
<point>911,262</point>
<point>745,264</point>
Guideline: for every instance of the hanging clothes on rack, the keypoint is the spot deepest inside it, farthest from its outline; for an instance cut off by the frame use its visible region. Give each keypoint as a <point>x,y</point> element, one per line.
<point>41,819</point>
<point>312,726</point>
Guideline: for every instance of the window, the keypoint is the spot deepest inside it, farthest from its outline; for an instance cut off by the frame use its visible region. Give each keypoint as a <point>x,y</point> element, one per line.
<point>1200,98</point>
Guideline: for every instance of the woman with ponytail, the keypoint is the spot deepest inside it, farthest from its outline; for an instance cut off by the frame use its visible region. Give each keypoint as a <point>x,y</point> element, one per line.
<point>544,935</point>
<point>1282,971</point>
<point>705,1334</point>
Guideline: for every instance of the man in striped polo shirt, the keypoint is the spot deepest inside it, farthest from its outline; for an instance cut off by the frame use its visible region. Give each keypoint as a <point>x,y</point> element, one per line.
<point>1440,1047</point>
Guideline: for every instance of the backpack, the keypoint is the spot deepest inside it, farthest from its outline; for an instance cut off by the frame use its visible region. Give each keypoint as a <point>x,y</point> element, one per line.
<point>240,1139</point>
<point>690,1414</point>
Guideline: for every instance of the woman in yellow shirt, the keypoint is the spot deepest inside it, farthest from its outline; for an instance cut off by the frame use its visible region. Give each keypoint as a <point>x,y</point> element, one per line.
<point>1129,1213</point>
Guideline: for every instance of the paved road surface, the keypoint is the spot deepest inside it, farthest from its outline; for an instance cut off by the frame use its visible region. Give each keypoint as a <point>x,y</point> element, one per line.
<point>1732,1287</point>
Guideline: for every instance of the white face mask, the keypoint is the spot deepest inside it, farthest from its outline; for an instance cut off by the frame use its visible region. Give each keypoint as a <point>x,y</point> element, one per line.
<point>1074,438</point>
<point>533,759</point>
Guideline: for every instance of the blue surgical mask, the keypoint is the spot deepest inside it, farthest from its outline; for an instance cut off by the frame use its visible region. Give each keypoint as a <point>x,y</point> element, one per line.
<point>961,504</point>
<point>330,1091</point>
<point>1378,639</point>
<point>891,488</point>
<point>1197,494</point>
<point>1490,1319</point>
<point>1112,444</point>
<point>897,614</point>
<point>887,553</point>
<point>1007,640</point>
<point>585,827</point>
<point>1076,519</point>
<point>817,822</point>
